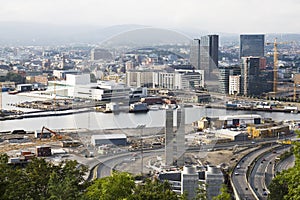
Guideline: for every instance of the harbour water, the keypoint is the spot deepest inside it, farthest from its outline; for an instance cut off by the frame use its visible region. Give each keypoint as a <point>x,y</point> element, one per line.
<point>100,121</point>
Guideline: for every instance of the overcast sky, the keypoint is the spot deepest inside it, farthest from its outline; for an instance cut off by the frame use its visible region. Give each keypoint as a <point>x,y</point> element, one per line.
<point>232,16</point>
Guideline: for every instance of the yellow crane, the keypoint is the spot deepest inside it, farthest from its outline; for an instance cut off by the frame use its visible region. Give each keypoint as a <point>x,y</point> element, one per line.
<point>275,58</point>
<point>0,97</point>
<point>296,83</point>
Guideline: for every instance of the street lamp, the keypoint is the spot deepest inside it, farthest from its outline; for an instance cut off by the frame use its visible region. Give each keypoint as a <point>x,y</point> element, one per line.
<point>141,126</point>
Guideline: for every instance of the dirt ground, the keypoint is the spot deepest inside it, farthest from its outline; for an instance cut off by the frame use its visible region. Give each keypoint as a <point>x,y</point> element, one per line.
<point>216,158</point>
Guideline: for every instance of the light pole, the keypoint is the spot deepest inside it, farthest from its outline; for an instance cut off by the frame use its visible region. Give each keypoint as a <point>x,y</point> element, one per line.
<point>141,126</point>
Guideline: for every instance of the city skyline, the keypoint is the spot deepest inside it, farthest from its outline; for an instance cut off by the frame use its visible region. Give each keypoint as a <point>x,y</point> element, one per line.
<point>218,16</point>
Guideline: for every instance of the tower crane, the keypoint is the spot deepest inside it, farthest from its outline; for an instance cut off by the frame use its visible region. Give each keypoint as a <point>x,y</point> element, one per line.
<point>275,57</point>
<point>0,97</point>
<point>296,83</point>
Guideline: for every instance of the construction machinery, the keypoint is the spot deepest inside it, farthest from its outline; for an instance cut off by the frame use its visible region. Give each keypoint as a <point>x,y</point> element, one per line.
<point>54,134</point>
<point>275,57</point>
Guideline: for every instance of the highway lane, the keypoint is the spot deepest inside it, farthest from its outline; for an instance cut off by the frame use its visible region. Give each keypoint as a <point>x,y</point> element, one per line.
<point>108,162</point>
<point>285,164</point>
<point>239,175</point>
<point>263,172</point>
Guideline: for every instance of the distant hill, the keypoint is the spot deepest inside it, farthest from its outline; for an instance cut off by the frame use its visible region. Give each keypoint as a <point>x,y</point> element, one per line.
<point>147,37</point>
<point>18,33</point>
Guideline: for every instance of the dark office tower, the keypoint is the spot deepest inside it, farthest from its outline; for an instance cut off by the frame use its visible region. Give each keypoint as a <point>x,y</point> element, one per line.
<point>209,51</point>
<point>254,82</point>
<point>224,74</point>
<point>252,45</point>
<point>195,54</point>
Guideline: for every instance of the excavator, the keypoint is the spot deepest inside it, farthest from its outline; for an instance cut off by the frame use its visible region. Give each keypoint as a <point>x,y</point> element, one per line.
<point>54,134</point>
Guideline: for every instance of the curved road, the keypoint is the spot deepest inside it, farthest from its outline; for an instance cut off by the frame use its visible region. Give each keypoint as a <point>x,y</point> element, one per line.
<point>263,172</point>
<point>285,164</point>
<point>107,164</point>
<point>239,175</point>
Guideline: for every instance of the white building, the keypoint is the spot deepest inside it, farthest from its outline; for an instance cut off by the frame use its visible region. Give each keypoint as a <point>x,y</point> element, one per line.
<point>103,91</point>
<point>82,79</point>
<point>240,119</point>
<point>234,84</point>
<point>162,79</point>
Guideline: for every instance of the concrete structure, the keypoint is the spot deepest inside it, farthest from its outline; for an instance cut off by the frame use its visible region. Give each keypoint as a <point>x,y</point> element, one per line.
<point>180,134</point>
<point>195,54</point>
<point>189,181</point>
<point>115,139</point>
<point>252,45</point>
<point>209,51</point>
<point>169,138</point>
<point>174,142</point>
<point>214,180</point>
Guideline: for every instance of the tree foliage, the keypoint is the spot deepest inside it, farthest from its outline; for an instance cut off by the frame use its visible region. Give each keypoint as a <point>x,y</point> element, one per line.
<point>13,77</point>
<point>225,195</point>
<point>153,190</point>
<point>41,180</point>
<point>121,185</point>
<point>286,184</point>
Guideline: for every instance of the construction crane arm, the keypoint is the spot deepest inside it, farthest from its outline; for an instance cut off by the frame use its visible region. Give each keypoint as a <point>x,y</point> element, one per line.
<point>56,135</point>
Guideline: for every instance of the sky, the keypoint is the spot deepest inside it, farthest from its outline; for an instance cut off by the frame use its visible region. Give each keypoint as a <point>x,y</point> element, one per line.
<point>230,16</point>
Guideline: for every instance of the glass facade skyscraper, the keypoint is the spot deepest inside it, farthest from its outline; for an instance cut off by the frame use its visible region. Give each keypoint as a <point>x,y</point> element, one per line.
<point>252,45</point>
<point>209,52</point>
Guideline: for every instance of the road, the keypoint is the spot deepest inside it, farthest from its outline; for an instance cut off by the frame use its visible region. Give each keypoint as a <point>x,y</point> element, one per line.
<point>285,164</point>
<point>263,172</point>
<point>239,175</point>
<point>106,165</point>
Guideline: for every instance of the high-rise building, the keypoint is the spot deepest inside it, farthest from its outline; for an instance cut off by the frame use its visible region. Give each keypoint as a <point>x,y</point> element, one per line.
<point>252,45</point>
<point>234,84</point>
<point>209,52</point>
<point>249,76</point>
<point>180,136</point>
<point>225,73</point>
<point>174,141</point>
<point>254,81</point>
<point>195,54</point>
<point>169,138</point>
